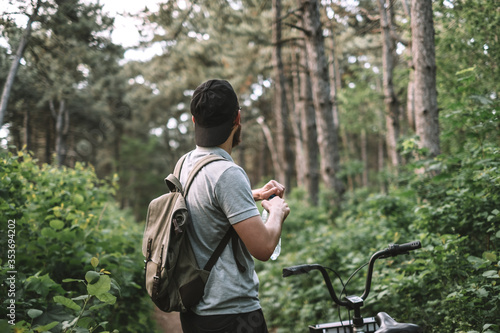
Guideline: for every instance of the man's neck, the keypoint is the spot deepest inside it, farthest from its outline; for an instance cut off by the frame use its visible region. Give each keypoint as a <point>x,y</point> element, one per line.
<point>228,145</point>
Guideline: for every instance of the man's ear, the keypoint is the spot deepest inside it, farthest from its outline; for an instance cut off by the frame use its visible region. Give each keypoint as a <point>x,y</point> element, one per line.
<point>237,121</point>
<point>192,117</point>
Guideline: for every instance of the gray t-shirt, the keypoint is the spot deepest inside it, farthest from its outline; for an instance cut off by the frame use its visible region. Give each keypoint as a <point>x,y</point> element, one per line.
<point>221,195</point>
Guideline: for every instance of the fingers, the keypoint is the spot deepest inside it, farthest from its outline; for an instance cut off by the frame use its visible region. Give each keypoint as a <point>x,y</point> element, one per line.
<point>276,188</point>
<point>266,205</point>
<point>277,203</point>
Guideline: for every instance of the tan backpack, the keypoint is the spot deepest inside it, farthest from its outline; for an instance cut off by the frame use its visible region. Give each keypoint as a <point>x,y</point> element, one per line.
<point>172,276</point>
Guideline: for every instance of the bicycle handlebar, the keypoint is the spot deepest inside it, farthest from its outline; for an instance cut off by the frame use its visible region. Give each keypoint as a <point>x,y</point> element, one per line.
<point>395,249</point>
<point>392,251</point>
<point>299,269</point>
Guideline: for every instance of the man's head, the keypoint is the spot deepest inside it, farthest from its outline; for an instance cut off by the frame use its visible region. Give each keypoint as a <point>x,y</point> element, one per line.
<point>214,107</point>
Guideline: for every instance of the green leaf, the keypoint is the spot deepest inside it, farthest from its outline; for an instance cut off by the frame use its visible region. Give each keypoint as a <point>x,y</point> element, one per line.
<point>56,224</point>
<point>92,277</point>
<point>81,298</point>
<point>497,234</point>
<point>94,262</point>
<point>481,292</point>
<point>72,280</point>
<point>48,233</point>
<point>107,298</point>
<point>47,327</point>
<point>102,286</point>
<point>85,322</point>
<point>67,303</point>
<point>490,256</point>
<point>486,326</point>
<point>492,274</point>
<point>98,306</point>
<point>103,324</point>
<point>78,199</point>
<point>34,313</point>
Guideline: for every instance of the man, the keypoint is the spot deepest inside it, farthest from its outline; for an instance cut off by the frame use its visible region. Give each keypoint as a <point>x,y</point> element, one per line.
<point>221,197</point>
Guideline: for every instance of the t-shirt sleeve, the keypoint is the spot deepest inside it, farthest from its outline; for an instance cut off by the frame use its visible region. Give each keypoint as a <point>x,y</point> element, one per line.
<point>234,195</point>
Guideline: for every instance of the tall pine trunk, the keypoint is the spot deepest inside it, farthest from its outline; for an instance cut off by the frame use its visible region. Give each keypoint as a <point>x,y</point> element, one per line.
<point>4,100</point>
<point>268,137</point>
<point>390,99</point>
<point>304,110</point>
<point>284,172</point>
<point>298,133</point>
<point>61,117</point>
<point>424,63</point>
<point>318,68</point>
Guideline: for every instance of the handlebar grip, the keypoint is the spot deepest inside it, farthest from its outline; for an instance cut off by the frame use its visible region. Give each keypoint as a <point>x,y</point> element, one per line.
<point>296,270</point>
<point>396,249</point>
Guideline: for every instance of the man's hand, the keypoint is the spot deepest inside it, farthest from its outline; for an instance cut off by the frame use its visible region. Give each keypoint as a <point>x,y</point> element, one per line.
<point>279,206</point>
<point>273,187</point>
<point>259,238</point>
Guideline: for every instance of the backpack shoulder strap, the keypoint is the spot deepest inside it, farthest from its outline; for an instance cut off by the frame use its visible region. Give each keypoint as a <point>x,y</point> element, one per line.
<point>172,180</point>
<point>198,166</point>
<point>178,165</point>
<point>230,234</point>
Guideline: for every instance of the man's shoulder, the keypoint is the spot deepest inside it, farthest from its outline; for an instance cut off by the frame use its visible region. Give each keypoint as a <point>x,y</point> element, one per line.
<point>225,170</point>
<point>216,168</point>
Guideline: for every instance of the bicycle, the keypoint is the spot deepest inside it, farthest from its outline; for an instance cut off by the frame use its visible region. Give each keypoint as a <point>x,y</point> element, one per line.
<point>382,323</point>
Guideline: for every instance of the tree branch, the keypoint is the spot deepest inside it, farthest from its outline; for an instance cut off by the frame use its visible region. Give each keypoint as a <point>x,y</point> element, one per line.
<point>298,28</point>
<point>397,37</point>
<point>369,15</point>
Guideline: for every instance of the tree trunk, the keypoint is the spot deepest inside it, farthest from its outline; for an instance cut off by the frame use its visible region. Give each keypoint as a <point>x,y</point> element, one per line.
<point>27,129</point>
<point>410,103</point>
<point>424,62</point>
<point>284,172</point>
<point>298,133</point>
<point>61,117</point>
<point>318,68</point>
<point>410,97</point>
<point>334,81</point>
<point>305,108</point>
<point>270,143</point>
<point>15,63</point>
<point>364,157</point>
<point>390,99</point>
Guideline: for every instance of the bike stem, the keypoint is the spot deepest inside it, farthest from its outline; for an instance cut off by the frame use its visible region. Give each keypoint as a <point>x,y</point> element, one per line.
<point>368,283</point>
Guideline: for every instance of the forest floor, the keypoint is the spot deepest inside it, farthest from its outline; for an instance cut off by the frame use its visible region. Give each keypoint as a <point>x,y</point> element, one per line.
<point>167,322</point>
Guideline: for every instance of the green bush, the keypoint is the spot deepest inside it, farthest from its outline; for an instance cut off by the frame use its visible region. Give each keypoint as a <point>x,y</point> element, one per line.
<point>450,285</point>
<point>63,218</point>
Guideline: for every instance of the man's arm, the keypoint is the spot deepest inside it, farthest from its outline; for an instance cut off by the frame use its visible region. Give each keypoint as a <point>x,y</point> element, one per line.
<point>259,238</point>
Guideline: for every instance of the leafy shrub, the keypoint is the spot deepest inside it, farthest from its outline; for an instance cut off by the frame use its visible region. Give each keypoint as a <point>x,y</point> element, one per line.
<point>450,285</point>
<point>64,218</point>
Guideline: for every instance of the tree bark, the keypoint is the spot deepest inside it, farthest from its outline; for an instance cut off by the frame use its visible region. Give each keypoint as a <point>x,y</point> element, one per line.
<point>318,67</point>
<point>364,157</point>
<point>27,129</point>
<point>424,62</point>
<point>390,99</point>
<point>61,117</point>
<point>15,63</point>
<point>270,143</point>
<point>298,133</point>
<point>284,172</point>
<point>334,80</point>
<point>305,109</point>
